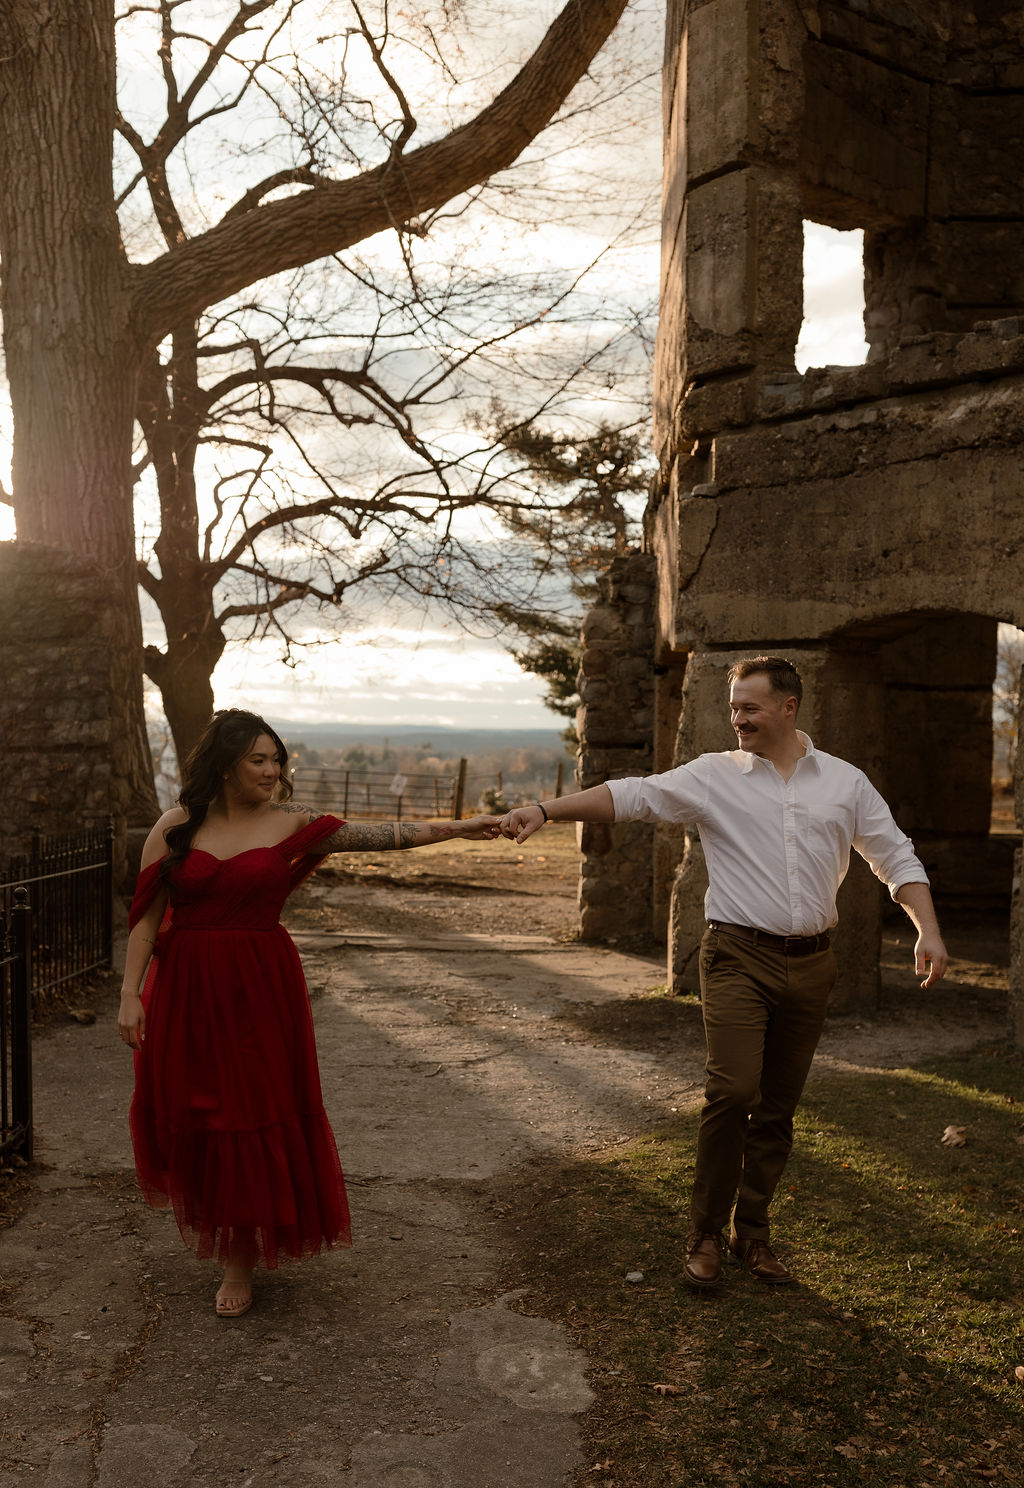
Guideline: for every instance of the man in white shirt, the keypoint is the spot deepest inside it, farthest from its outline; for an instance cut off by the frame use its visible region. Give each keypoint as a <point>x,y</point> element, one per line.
<point>777,820</point>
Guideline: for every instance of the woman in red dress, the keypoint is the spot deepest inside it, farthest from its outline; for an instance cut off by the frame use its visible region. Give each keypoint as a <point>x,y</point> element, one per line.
<point>227,1120</point>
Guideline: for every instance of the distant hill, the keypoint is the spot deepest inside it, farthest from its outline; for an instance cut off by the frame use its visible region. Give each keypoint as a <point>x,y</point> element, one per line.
<point>447,741</point>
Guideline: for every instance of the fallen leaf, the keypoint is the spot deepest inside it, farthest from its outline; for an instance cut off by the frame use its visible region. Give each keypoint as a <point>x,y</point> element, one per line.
<point>954,1136</point>
<point>847,1449</point>
<point>664,1390</point>
<point>1018,1373</point>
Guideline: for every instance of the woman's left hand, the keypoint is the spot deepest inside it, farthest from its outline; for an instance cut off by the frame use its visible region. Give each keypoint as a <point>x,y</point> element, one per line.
<point>480,828</point>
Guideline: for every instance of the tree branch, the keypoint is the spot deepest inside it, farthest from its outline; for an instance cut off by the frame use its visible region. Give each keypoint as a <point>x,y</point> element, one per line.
<point>282,235</point>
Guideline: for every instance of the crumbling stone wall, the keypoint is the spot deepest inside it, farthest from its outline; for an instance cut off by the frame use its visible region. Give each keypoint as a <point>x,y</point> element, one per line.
<point>65,767</point>
<point>866,521</point>
<point>615,721</point>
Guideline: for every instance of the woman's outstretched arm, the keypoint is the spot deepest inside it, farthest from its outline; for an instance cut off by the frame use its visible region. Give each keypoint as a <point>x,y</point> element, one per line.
<point>394,836</point>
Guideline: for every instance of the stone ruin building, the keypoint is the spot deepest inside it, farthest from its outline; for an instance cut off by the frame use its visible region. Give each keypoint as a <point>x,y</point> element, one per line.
<point>866,521</point>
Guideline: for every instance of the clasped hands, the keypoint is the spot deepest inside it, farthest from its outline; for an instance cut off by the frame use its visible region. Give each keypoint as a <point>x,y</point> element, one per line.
<point>517,824</point>
<point>522,822</point>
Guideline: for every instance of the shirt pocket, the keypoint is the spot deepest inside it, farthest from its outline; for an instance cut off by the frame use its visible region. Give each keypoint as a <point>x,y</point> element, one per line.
<point>828,825</point>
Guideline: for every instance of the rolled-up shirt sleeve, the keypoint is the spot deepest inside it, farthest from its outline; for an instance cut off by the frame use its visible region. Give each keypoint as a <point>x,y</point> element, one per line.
<point>676,796</point>
<point>888,851</point>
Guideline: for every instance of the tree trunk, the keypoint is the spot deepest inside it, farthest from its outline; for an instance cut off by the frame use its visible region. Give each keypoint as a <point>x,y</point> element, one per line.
<point>71,362</point>
<point>171,413</point>
<point>183,674</point>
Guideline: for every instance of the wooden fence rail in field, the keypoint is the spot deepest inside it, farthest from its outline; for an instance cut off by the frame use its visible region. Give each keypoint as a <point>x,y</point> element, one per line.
<point>380,795</point>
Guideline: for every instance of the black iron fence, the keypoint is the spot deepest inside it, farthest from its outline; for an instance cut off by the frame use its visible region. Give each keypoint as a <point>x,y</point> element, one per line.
<point>380,795</point>
<point>15,1030</point>
<point>69,932</point>
<point>70,882</point>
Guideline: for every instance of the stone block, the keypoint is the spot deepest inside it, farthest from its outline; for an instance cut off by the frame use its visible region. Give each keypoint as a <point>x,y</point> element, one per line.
<point>597,660</point>
<point>865,132</point>
<point>847,441</point>
<point>601,624</point>
<point>719,243</point>
<point>53,614</point>
<point>743,279</point>
<point>704,718</point>
<point>687,922</point>
<point>779,101</point>
<point>853,550</point>
<point>910,38</point>
<point>669,352</point>
<point>977,146</point>
<point>710,407</point>
<point>717,126</point>
<point>983,266</point>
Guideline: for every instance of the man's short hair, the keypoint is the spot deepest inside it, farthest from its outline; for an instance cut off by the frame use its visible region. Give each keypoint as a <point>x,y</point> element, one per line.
<point>783,677</point>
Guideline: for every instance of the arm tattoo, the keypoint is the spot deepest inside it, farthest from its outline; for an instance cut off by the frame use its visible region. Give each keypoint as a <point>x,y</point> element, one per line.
<point>293,808</point>
<point>372,837</point>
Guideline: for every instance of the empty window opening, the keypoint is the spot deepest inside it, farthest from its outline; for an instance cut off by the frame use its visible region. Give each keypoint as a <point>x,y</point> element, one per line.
<point>1006,702</point>
<point>832,334</point>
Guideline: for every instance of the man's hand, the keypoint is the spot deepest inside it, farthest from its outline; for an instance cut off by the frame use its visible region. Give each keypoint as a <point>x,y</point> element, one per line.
<point>522,822</point>
<point>929,952</point>
<point>930,955</point>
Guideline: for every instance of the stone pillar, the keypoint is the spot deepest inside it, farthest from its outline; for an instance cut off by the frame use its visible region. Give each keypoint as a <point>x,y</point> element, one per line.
<point>669,839</point>
<point>703,728</point>
<point>732,243</point>
<point>65,767</point>
<point>615,724</point>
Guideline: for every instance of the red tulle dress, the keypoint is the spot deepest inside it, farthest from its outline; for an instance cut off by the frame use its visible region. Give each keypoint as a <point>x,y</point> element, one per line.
<point>227,1120</point>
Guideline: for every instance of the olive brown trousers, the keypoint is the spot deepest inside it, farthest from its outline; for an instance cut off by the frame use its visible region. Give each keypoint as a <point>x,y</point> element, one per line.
<point>763,1015</point>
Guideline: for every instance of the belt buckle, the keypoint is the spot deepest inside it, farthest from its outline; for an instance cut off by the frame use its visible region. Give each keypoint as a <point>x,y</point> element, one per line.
<point>793,944</point>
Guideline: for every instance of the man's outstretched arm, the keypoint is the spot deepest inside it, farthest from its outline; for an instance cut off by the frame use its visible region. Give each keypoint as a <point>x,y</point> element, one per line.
<point>593,805</point>
<point>929,952</point>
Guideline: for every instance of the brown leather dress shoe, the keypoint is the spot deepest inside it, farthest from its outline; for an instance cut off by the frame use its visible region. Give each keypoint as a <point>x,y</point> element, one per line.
<point>759,1259</point>
<point>703,1264</point>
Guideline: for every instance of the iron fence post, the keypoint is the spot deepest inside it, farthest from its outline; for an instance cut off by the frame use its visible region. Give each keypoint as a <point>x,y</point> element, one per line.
<point>21,1020</point>
<point>110,889</point>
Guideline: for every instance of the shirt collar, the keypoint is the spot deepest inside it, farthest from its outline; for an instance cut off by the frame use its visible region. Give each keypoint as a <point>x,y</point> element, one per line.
<point>747,761</point>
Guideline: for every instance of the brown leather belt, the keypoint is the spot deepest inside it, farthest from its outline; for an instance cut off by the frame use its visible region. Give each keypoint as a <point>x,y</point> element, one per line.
<point>789,945</point>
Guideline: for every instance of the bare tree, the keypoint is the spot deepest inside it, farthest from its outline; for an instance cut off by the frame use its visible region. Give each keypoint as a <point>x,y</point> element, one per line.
<point>329,479</point>
<point>84,307</point>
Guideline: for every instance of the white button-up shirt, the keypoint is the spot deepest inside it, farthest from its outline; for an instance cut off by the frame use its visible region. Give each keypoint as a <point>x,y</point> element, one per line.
<point>776,850</point>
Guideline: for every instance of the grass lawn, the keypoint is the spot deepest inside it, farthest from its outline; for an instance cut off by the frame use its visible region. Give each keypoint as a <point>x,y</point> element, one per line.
<point>892,1361</point>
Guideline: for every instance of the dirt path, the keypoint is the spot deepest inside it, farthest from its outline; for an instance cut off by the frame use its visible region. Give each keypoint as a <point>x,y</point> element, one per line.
<point>463,1040</point>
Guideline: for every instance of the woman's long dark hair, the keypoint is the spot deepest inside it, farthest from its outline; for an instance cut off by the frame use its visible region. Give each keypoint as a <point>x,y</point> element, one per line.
<point>227,738</point>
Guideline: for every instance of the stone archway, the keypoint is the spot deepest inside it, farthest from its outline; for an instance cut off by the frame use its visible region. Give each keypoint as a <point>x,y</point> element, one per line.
<point>868,521</point>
